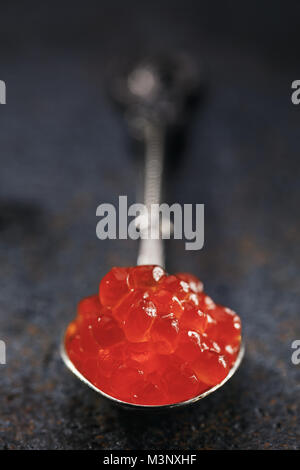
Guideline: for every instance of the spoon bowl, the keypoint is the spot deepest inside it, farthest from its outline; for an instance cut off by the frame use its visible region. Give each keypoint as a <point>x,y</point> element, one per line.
<point>132,406</point>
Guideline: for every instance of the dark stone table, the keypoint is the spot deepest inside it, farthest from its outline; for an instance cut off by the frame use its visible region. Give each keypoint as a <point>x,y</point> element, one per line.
<point>64,150</point>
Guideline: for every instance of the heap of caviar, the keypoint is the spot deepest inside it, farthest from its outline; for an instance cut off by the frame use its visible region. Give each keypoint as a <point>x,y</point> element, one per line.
<point>153,339</point>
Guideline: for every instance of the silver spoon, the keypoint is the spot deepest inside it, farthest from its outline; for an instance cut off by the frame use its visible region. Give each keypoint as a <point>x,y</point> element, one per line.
<point>154,95</point>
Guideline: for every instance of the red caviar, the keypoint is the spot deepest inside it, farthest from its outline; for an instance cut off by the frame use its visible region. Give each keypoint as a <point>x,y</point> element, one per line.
<point>153,339</point>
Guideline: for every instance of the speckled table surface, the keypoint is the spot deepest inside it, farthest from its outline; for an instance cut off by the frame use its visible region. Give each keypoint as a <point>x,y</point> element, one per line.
<point>64,151</point>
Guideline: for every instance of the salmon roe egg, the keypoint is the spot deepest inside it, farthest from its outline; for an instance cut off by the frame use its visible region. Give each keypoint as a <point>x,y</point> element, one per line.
<point>151,338</point>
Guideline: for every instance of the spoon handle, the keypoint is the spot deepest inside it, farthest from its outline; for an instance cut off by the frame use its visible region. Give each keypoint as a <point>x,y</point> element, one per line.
<point>156,94</point>
<point>151,249</point>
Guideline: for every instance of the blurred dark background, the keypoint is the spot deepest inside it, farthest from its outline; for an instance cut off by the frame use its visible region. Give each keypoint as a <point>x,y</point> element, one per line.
<point>64,150</point>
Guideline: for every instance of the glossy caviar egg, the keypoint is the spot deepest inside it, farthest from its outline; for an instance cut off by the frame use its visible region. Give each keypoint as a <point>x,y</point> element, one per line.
<point>152,339</point>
